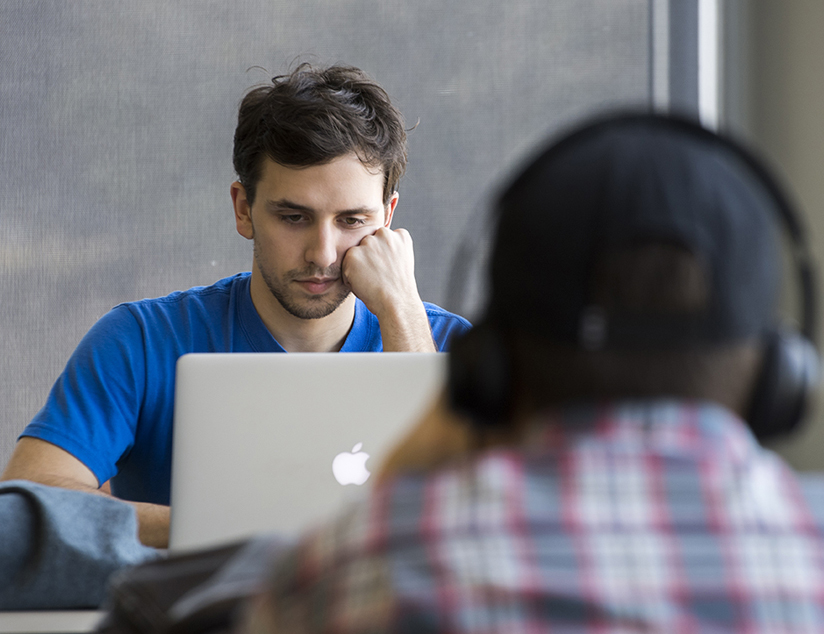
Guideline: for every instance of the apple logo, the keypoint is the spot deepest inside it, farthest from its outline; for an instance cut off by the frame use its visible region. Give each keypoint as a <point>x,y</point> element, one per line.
<point>350,468</point>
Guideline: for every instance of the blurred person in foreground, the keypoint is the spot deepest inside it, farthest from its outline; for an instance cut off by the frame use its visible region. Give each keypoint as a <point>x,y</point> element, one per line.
<point>593,464</point>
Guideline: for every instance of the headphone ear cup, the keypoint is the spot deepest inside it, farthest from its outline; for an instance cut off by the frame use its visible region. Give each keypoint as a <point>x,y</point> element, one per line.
<point>789,377</point>
<point>480,377</point>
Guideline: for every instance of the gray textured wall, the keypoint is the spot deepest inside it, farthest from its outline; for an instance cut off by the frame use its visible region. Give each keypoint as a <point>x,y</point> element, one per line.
<point>780,112</point>
<point>117,120</point>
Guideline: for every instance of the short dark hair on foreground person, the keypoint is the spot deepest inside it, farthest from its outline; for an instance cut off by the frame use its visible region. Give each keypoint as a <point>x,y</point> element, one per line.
<point>638,257</point>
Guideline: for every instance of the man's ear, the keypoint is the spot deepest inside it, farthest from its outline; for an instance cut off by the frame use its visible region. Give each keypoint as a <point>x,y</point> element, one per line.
<point>390,210</point>
<point>243,211</point>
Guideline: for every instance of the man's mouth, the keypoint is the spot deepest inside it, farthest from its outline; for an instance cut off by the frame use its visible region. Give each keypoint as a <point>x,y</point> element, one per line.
<point>317,285</point>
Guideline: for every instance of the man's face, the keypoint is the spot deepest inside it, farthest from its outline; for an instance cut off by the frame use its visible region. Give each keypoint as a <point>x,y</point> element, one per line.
<point>303,221</point>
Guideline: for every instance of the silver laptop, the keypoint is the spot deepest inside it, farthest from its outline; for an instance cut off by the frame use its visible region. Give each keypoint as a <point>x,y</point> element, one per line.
<point>278,442</point>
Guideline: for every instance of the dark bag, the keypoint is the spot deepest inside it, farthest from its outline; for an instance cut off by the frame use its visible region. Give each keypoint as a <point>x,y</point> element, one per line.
<point>193,593</point>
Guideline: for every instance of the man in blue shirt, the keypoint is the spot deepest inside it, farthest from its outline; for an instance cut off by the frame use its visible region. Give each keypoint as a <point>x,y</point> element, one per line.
<point>318,154</point>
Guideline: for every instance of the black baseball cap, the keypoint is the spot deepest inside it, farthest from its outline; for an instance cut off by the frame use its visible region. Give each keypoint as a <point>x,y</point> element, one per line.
<point>630,179</point>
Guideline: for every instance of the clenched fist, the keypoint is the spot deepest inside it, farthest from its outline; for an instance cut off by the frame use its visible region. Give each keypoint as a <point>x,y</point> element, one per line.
<point>380,271</point>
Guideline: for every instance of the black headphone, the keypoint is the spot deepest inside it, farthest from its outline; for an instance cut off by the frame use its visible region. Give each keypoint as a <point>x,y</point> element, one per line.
<point>480,366</point>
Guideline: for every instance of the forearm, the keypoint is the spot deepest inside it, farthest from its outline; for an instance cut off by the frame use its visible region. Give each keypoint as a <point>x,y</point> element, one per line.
<point>39,461</point>
<point>153,519</point>
<point>406,329</point>
<point>153,524</point>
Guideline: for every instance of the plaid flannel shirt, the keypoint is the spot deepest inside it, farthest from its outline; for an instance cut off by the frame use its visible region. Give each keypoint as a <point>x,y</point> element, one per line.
<point>630,517</point>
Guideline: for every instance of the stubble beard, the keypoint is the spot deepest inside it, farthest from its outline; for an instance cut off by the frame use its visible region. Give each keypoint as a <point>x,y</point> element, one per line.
<point>303,306</point>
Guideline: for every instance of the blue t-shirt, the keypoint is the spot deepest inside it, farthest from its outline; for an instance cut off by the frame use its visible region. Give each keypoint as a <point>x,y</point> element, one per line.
<point>112,406</point>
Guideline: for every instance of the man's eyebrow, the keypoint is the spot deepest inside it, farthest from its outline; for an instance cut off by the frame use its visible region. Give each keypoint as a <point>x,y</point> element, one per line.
<point>360,210</point>
<point>284,203</point>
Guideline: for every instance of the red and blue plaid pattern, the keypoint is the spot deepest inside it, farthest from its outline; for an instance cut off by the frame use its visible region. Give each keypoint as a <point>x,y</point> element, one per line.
<point>631,517</point>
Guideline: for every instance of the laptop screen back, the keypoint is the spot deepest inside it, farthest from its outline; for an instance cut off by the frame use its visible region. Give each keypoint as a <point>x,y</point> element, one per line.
<point>256,436</point>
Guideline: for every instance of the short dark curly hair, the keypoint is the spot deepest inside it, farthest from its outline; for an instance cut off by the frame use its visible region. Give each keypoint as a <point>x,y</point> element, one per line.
<point>312,116</point>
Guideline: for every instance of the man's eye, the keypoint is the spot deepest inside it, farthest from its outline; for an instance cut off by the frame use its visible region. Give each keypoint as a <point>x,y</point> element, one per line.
<point>351,221</point>
<point>291,218</point>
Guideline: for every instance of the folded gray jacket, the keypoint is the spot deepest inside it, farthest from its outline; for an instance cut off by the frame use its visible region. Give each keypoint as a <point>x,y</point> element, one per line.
<point>59,547</point>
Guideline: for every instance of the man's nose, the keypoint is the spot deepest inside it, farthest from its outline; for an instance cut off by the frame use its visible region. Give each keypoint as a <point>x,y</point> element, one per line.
<point>322,250</point>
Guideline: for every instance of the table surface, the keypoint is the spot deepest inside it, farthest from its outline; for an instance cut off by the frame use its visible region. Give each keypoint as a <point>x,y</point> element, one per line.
<point>53,621</point>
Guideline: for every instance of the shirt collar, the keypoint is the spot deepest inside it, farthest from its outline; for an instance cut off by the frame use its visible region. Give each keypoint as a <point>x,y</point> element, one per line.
<point>668,426</point>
